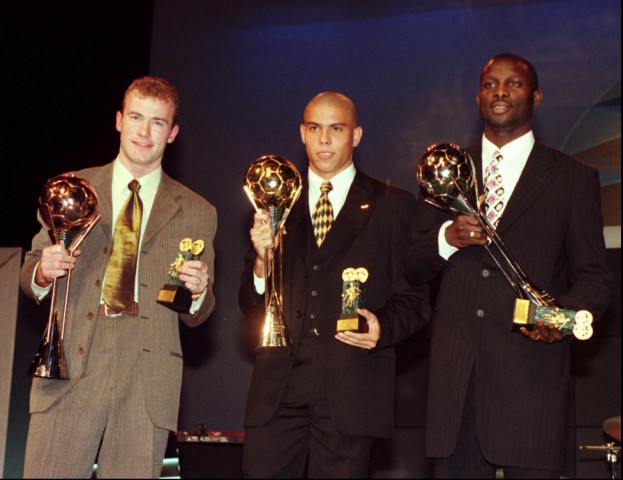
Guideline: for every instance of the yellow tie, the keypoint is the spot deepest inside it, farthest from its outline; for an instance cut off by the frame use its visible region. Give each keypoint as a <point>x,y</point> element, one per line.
<point>322,217</point>
<point>120,273</point>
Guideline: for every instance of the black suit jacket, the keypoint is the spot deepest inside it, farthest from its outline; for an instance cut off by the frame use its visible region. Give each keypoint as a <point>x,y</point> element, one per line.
<point>552,224</point>
<point>370,231</point>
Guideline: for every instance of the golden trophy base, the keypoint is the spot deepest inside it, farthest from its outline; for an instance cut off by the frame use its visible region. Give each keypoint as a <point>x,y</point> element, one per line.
<point>175,298</point>
<point>352,323</point>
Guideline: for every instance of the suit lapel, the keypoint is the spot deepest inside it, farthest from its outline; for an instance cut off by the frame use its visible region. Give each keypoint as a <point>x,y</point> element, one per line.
<point>102,183</point>
<point>352,216</point>
<point>164,209</point>
<point>534,179</point>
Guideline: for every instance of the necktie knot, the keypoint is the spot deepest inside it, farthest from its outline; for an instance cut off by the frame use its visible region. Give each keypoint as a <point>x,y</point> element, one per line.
<point>134,186</point>
<point>326,187</point>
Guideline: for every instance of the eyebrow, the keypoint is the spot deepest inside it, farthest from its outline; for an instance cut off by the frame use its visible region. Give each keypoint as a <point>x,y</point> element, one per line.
<point>339,124</point>
<point>162,119</point>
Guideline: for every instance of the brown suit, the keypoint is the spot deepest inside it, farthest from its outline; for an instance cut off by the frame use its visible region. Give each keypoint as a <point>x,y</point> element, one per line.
<point>177,212</point>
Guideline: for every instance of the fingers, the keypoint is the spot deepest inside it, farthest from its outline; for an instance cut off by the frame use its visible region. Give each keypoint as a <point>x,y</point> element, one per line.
<point>261,233</point>
<point>366,341</point>
<point>55,263</point>
<point>465,231</point>
<point>543,333</point>
<point>194,274</point>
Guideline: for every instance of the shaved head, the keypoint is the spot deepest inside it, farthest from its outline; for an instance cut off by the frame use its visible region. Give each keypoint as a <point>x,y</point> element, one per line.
<point>336,100</point>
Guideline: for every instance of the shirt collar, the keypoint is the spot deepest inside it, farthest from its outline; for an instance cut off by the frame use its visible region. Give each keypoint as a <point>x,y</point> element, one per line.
<point>520,147</point>
<point>340,182</point>
<point>121,177</point>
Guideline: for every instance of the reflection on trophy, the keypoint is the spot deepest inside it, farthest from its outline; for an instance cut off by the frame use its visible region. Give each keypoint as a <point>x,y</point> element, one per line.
<point>273,184</point>
<point>353,296</point>
<point>174,295</point>
<point>447,175</point>
<point>68,207</point>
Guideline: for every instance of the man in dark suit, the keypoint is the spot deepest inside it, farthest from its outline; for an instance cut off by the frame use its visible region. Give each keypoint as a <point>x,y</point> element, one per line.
<point>124,365</point>
<point>323,401</point>
<point>498,398</point>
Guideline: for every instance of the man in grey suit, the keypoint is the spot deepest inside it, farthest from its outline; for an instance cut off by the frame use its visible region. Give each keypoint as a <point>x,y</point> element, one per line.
<point>320,404</point>
<point>498,398</point>
<point>125,367</point>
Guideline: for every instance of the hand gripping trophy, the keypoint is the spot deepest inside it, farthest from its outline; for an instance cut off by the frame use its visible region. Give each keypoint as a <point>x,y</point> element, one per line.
<point>273,184</point>
<point>447,175</point>
<point>174,295</point>
<point>68,207</point>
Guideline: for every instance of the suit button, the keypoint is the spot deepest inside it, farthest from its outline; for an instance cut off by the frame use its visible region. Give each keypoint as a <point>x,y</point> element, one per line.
<point>312,316</point>
<point>316,268</point>
<point>90,315</point>
<point>105,250</point>
<point>98,282</point>
<point>314,293</point>
<point>485,273</point>
<point>81,350</point>
<point>480,313</point>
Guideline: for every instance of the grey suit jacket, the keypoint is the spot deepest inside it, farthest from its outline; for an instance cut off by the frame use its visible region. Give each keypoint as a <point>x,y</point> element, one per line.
<point>552,225</point>
<point>177,212</point>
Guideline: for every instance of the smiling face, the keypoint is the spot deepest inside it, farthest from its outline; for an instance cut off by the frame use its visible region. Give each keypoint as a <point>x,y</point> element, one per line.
<point>146,127</point>
<point>330,133</point>
<point>506,99</point>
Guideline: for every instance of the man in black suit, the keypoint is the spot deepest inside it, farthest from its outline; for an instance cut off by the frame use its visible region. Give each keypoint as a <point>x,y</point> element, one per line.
<point>498,398</point>
<point>323,401</point>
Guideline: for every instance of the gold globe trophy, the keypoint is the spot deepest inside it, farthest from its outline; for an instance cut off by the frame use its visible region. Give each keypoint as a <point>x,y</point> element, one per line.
<point>68,206</point>
<point>447,175</point>
<point>273,184</point>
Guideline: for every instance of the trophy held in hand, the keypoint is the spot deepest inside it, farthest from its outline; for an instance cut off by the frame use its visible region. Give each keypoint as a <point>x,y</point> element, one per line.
<point>174,295</point>
<point>447,176</point>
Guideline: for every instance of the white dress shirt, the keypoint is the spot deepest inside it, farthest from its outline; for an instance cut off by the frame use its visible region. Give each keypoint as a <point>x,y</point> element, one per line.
<point>514,158</point>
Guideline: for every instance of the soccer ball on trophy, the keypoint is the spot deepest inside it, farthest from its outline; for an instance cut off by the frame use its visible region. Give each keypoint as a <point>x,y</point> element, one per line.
<point>444,171</point>
<point>273,183</point>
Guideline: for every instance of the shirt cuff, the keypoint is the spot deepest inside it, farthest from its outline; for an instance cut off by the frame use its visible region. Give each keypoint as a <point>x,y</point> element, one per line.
<point>445,249</point>
<point>39,292</point>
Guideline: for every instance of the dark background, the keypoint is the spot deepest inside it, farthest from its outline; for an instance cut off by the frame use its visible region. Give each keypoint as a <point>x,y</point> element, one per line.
<point>245,70</point>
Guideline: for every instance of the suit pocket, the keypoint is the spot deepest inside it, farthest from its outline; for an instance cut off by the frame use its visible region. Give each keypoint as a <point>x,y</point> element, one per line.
<point>177,355</point>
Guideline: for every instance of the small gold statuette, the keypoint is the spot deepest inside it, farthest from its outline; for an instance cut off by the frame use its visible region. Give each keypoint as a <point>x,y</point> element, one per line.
<point>353,296</point>
<point>174,295</point>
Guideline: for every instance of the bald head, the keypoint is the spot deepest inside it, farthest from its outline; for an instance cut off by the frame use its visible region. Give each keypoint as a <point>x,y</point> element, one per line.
<point>334,100</point>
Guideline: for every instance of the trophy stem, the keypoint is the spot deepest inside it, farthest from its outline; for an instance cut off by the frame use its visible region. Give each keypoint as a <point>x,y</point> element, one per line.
<point>516,276</point>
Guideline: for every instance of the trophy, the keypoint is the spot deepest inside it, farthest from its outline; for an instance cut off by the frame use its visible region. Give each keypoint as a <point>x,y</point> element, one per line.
<point>353,296</point>
<point>174,295</point>
<point>68,207</point>
<point>447,176</point>
<point>273,184</point>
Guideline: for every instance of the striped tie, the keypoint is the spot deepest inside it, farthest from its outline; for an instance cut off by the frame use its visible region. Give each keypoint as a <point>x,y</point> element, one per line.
<point>322,217</point>
<point>494,190</point>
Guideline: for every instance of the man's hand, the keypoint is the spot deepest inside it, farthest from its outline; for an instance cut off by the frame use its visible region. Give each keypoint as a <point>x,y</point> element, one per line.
<point>366,340</point>
<point>55,263</point>
<point>465,231</point>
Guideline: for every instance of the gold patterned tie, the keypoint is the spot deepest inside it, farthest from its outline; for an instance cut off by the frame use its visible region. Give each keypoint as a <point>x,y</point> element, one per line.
<point>494,190</point>
<point>119,284</point>
<point>322,216</point>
